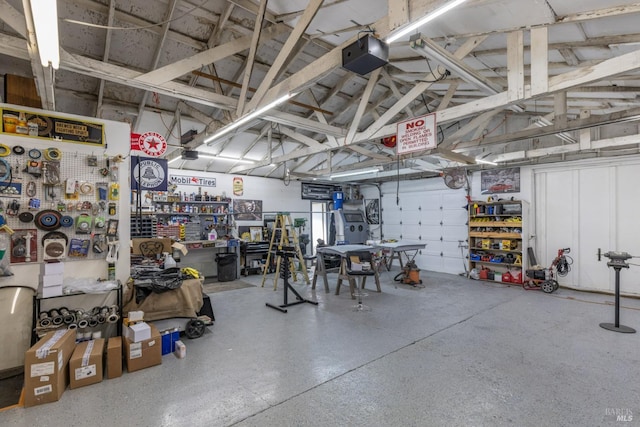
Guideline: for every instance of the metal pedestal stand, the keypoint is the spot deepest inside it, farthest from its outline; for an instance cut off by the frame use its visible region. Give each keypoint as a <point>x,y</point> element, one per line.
<point>617,263</point>
<point>285,253</point>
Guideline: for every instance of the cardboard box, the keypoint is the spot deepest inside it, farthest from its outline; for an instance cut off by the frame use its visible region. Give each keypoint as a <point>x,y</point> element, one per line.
<point>137,332</point>
<point>55,267</point>
<point>85,366</point>
<point>143,354</point>
<point>150,243</point>
<point>51,291</point>
<point>46,367</point>
<point>114,357</point>
<point>52,280</point>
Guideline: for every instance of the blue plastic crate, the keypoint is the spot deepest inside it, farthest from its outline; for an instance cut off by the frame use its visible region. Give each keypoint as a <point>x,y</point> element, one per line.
<point>169,339</point>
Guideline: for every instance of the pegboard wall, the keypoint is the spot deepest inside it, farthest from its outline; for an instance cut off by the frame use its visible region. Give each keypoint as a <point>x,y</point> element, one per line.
<point>60,204</point>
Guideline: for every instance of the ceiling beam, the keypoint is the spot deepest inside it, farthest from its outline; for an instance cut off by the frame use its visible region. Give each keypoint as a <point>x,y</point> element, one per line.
<point>607,12</point>
<point>251,57</point>
<point>571,125</point>
<point>371,85</point>
<point>156,58</point>
<point>124,76</point>
<point>292,120</point>
<point>309,142</point>
<point>301,26</point>
<point>105,55</point>
<point>194,62</point>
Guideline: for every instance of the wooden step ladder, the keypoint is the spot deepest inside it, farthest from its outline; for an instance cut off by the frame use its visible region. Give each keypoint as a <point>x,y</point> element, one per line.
<point>284,224</point>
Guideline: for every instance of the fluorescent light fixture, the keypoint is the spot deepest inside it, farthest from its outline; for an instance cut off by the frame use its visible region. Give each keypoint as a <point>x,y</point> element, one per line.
<point>227,159</point>
<point>356,172</point>
<point>486,162</point>
<point>214,157</point>
<point>403,31</point>
<point>45,22</point>
<point>432,50</point>
<point>232,126</point>
<point>542,122</point>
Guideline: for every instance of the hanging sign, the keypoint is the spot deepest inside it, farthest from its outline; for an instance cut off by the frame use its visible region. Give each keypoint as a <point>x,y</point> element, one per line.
<point>192,180</point>
<point>417,134</point>
<point>27,123</point>
<point>149,174</point>
<point>238,186</point>
<point>151,143</point>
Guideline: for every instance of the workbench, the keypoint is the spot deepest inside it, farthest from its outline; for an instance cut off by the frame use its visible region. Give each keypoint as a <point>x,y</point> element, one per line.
<point>340,250</point>
<point>395,250</point>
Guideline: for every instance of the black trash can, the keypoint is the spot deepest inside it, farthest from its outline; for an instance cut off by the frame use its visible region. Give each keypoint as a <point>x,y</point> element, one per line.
<point>226,267</point>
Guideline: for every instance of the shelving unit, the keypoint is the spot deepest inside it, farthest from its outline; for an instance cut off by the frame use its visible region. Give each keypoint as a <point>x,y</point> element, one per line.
<point>497,239</point>
<point>209,215</point>
<point>73,301</point>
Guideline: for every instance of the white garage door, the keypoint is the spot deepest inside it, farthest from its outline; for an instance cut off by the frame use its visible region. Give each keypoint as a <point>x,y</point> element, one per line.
<point>436,217</point>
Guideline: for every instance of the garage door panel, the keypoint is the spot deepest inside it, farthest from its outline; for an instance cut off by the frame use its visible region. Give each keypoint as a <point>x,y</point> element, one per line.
<point>411,232</point>
<point>431,200</point>
<point>410,219</point>
<point>457,216</point>
<point>451,249</point>
<point>454,199</point>
<point>433,219</point>
<point>430,233</point>
<point>413,203</point>
<point>453,233</point>
<point>452,264</point>
<point>392,220</point>
<point>392,231</point>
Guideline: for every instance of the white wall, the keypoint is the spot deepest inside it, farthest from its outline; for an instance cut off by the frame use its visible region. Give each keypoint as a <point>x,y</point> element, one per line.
<point>118,143</point>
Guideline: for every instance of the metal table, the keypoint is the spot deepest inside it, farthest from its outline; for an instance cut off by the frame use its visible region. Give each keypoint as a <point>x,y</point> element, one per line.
<point>395,250</point>
<point>340,250</point>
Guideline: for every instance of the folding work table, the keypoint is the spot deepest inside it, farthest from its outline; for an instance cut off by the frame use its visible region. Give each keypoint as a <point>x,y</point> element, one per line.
<point>340,250</point>
<point>391,250</point>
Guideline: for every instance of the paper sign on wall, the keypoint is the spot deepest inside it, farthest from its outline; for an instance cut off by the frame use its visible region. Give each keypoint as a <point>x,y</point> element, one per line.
<point>417,134</point>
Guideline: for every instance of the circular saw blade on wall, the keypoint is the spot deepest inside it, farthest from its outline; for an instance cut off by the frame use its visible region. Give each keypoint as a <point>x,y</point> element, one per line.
<point>455,178</point>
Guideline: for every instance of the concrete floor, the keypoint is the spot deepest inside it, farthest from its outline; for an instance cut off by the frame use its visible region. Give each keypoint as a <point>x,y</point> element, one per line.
<point>456,353</point>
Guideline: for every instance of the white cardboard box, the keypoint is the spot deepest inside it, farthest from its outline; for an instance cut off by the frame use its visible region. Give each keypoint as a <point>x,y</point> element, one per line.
<point>51,291</point>
<point>53,268</point>
<point>138,332</point>
<point>52,280</point>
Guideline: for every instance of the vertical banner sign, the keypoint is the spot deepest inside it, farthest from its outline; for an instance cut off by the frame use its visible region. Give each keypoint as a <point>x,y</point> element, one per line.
<point>135,141</point>
<point>148,174</point>
<point>417,134</point>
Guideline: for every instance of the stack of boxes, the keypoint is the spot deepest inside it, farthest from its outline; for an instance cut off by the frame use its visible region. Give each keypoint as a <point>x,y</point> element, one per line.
<point>57,361</point>
<point>52,279</point>
<point>142,343</point>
